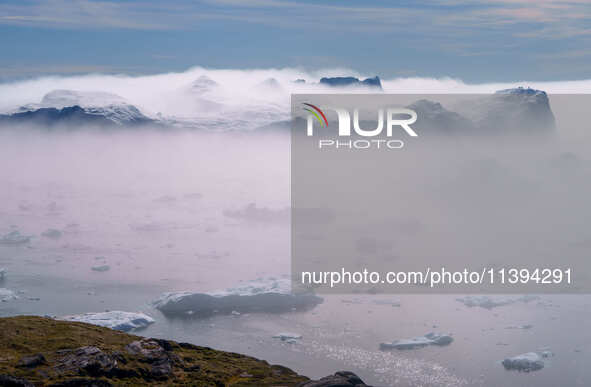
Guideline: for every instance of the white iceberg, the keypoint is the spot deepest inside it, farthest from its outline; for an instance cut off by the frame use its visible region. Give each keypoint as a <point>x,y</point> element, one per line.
<point>261,295</point>
<point>7,295</point>
<point>420,341</point>
<point>121,321</point>
<point>288,337</point>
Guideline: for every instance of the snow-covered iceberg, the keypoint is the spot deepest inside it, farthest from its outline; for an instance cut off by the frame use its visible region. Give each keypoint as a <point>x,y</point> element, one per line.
<point>121,321</point>
<point>71,108</point>
<point>261,295</point>
<point>420,341</point>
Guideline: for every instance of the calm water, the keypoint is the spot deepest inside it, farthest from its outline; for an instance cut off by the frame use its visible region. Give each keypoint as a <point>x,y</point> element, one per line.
<point>151,207</point>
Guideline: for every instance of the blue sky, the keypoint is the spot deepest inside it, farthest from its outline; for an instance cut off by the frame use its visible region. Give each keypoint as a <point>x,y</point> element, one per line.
<point>477,40</point>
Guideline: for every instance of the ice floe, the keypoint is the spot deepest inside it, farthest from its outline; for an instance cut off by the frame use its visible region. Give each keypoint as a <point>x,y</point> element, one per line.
<point>420,341</point>
<point>118,320</point>
<point>259,214</point>
<point>288,337</point>
<point>487,302</point>
<point>52,233</point>
<point>261,295</point>
<point>101,268</point>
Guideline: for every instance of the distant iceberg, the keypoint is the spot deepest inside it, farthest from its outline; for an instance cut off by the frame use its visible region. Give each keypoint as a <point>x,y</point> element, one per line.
<point>351,81</point>
<point>7,295</point>
<point>121,321</point>
<point>420,341</point>
<point>487,302</point>
<point>71,108</point>
<point>262,295</point>
<point>14,237</point>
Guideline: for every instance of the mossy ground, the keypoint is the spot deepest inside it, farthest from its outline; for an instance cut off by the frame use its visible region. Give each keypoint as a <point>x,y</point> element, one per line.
<point>197,366</point>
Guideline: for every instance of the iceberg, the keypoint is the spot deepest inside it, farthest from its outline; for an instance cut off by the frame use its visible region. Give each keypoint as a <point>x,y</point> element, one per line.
<point>487,302</point>
<point>7,295</point>
<point>420,341</point>
<point>52,233</point>
<point>118,320</point>
<point>530,361</point>
<point>261,295</point>
<point>259,214</point>
<point>101,268</point>
<point>72,108</point>
<point>288,337</point>
<point>14,238</point>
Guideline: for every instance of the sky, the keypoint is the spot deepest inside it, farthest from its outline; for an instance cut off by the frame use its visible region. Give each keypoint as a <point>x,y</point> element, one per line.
<point>475,41</point>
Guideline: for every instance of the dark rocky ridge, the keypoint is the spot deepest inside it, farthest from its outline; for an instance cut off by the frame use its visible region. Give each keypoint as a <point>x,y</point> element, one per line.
<point>38,351</point>
<point>352,81</point>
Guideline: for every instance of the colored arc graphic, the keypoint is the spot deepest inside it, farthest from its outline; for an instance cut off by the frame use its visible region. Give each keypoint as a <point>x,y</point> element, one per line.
<point>325,123</point>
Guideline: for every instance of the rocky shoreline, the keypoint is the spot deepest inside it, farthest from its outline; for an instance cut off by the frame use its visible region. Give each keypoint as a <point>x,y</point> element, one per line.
<point>39,351</point>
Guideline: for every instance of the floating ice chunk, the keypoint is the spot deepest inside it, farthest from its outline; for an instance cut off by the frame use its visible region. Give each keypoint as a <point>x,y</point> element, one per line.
<point>261,295</point>
<point>101,268</point>
<point>420,341</point>
<point>288,337</point>
<point>526,362</point>
<point>487,302</point>
<point>121,321</point>
<point>52,233</point>
<point>14,238</point>
<point>259,214</point>
<point>7,295</point>
<point>525,326</point>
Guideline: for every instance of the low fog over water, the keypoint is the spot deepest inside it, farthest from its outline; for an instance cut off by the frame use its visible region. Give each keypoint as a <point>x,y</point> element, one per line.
<point>117,217</point>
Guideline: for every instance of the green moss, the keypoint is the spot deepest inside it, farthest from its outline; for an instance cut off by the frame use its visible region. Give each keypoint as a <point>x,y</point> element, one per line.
<point>193,365</point>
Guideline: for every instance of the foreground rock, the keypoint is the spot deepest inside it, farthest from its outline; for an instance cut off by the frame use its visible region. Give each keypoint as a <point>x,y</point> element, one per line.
<point>417,342</point>
<point>45,352</point>
<point>118,320</point>
<point>339,379</point>
<point>263,295</point>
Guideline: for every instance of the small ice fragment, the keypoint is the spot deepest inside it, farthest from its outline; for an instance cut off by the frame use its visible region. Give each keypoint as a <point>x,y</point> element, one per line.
<point>288,337</point>
<point>487,302</point>
<point>52,233</point>
<point>101,268</point>
<point>525,326</point>
<point>14,238</point>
